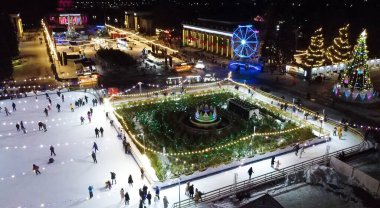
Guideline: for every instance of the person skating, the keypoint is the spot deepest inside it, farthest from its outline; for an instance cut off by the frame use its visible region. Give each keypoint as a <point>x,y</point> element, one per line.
<point>130,180</point>
<point>141,194</point>
<point>81,120</point>
<point>14,106</point>
<point>18,127</point>
<point>96,132</point>
<point>108,185</point>
<point>91,111</point>
<point>7,111</point>
<point>86,99</point>
<point>51,160</point>
<point>90,188</point>
<point>149,197</point>
<point>58,106</point>
<point>63,98</point>
<point>93,155</point>
<point>49,108</point>
<point>58,93</point>
<point>142,173</point>
<point>250,172</point>
<point>49,101</point>
<point>272,161</point>
<point>22,127</point>
<point>95,147</point>
<point>166,202</point>
<point>278,164</point>
<point>52,151</point>
<point>89,118</point>
<point>187,188</point>
<point>126,198</point>
<point>296,147</point>
<point>40,126</point>
<point>46,112</point>
<point>101,131</point>
<point>113,177</point>
<point>122,194</point>
<point>36,169</point>
<point>71,107</point>
<point>334,132</point>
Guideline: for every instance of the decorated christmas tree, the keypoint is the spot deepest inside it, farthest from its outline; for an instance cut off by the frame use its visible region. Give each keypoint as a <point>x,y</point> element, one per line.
<point>355,80</point>
<point>315,52</point>
<point>340,50</point>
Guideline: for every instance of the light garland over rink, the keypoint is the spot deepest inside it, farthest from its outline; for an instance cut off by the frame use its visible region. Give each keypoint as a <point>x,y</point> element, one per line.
<point>49,41</point>
<point>205,150</point>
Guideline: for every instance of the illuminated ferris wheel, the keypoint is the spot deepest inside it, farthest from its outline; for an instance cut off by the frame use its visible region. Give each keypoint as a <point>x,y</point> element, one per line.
<point>245,41</point>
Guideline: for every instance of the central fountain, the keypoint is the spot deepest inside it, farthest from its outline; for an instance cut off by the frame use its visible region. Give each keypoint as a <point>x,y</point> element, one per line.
<point>205,117</point>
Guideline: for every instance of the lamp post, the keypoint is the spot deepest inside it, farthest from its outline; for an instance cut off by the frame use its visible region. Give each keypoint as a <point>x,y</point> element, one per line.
<point>179,191</point>
<point>254,132</point>
<point>140,83</point>
<point>291,112</point>
<point>142,134</point>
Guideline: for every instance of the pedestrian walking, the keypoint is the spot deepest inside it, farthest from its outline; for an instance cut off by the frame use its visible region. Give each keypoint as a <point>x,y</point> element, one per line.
<point>46,112</point>
<point>14,106</point>
<point>278,164</point>
<point>58,106</point>
<point>36,169</point>
<point>130,180</point>
<point>81,120</point>
<point>250,172</point>
<point>113,177</point>
<point>63,98</point>
<point>191,191</point>
<point>90,188</point>
<point>157,191</point>
<point>126,198</point>
<point>95,147</point>
<point>93,155</point>
<point>18,127</point>
<point>302,150</point>
<point>149,197</point>
<point>272,161</point>
<point>166,202</point>
<point>101,131</point>
<point>96,132</point>
<point>296,147</point>
<point>52,151</point>
<point>187,188</point>
<point>142,173</point>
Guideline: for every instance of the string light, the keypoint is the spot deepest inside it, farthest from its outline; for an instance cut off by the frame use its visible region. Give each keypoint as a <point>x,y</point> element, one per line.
<point>340,50</point>
<point>315,53</point>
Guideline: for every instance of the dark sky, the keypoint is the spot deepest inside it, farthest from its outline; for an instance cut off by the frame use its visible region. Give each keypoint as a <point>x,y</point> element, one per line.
<point>30,9</point>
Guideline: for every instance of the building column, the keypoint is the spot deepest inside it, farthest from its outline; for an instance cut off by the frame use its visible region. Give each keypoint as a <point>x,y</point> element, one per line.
<point>217,44</point>
<point>221,50</point>
<point>207,42</point>
<point>183,37</point>
<point>126,22</point>
<point>227,47</point>
<point>203,41</point>
<point>212,43</point>
<point>136,24</point>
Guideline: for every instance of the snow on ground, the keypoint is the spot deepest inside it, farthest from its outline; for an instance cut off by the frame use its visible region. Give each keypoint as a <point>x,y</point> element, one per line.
<point>63,183</point>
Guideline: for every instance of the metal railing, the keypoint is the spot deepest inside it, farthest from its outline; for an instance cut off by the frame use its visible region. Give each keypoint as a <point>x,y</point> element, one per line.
<point>265,178</point>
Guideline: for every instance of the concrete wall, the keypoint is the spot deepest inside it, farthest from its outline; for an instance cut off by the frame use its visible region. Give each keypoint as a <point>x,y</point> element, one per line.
<point>361,179</point>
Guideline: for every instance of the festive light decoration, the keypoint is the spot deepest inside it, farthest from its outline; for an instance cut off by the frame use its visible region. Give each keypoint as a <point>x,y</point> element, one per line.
<point>340,50</point>
<point>355,82</point>
<point>315,54</point>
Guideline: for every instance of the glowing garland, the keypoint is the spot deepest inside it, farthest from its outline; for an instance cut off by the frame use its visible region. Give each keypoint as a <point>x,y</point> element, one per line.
<point>315,53</point>
<point>205,150</point>
<point>340,50</point>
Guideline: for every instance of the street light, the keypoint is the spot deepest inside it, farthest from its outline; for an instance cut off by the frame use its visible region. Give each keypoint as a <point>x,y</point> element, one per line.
<point>254,132</point>
<point>140,83</point>
<point>291,112</point>
<point>142,134</point>
<point>179,191</point>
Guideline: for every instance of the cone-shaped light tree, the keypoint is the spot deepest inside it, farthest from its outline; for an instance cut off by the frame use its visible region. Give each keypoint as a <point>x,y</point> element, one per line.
<point>315,54</point>
<point>356,76</point>
<point>340,50</point>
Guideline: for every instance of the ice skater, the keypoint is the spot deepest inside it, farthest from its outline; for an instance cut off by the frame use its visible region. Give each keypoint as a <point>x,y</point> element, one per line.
<point>22,127</point>
<point>14,106</point>
<point>101,131</point>
<point>63,98</point>
<point>95,147</point>
<point>36,169</point>
<point>272,161</point>
<point>93,155</point>
<point>166,202</point>
<point>278,164</point>
<point>113,177</point>
<point>18,127</point>
<point>7,111</point>
<point>90,189</point>
<point>71,107</point>
<point>58,106</point>
<point>52,151</point>
<point>81,120</point>
<point>46,112</point>
<point>130,180</point>
<point>126,198</point>
<point>96,132</point>
<point>302,150</point>
<point>296,147</point>
<point>122,194</point>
